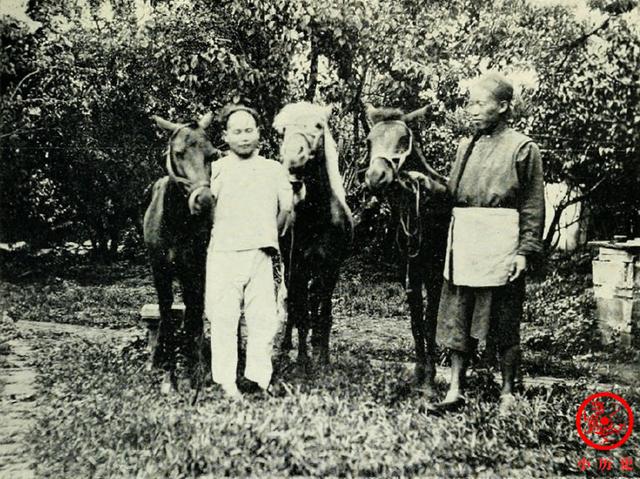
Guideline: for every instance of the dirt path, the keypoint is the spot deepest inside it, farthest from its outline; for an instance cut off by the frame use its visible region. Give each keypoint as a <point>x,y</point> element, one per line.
<point>17,402</point>
<point>18,389</point>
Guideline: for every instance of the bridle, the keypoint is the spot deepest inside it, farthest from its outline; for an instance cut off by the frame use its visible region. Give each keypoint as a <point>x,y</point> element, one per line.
<point>410,225</point>
<point>395,159</point>
<point>188,187</point>
<point>312,139</point>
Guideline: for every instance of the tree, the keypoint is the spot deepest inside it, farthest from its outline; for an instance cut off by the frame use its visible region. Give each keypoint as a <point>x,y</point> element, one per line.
<point>76,93</point>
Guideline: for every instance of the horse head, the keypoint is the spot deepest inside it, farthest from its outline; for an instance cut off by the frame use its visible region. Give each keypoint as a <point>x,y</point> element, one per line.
<point>390,143</point>
<point>188,160</point>
<point>303,127</point>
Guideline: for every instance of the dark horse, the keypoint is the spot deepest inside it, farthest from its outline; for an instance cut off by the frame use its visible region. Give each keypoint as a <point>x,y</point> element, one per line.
<point>322,229</point>
<point>177,226</point>
<point>398,171</point>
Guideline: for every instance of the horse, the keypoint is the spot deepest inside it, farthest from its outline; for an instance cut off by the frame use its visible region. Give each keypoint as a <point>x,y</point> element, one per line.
<point>321,233</point>
<point>399,172</point>
<point>176,228</point>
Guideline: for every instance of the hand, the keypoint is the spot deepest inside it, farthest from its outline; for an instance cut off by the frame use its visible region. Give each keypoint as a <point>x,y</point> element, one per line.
<point>432,186</point>
<point>285,221</point>
<point>518,267</point>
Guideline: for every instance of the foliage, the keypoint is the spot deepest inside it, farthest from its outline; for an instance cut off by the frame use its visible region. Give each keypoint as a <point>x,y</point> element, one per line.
<point>82,110</point>
<point>566,308</point>
<point>68,289</point>
<point>76,93</point>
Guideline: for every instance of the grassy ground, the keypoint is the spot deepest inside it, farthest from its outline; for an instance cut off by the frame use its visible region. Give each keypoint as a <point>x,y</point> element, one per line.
<point>100,413</point>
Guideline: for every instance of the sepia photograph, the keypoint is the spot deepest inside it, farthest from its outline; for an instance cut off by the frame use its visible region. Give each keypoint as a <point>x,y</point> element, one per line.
<point>319,238</point>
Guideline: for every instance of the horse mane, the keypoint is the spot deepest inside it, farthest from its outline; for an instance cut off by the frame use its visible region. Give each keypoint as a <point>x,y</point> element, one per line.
<point>300,113</point>
<point>376,115</point>
<point>333,171</point>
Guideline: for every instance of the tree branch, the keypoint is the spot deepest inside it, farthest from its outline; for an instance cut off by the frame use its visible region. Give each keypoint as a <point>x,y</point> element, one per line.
<point>584,37</point>
<point>313,70</point>
<point>20,83</point>
<point>554,227</point>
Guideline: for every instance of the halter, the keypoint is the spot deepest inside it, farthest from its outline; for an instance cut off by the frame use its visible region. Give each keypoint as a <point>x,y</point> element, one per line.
<point>312,140</point>
<point>410,224</point>
<point>399,157</point>
<point>190,189</point>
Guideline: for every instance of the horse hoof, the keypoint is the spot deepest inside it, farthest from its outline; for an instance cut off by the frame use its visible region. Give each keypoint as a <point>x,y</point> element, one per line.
<point>167,387</point>
<point>324,364</point>
<point>428,390</point>
<point>304,366</point>
<point>185,384</point>
<point>420,374</point>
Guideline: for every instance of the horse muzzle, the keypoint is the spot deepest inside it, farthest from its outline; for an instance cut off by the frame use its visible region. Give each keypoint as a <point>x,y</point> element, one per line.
<point>377,177</point>
<point>200,200</point>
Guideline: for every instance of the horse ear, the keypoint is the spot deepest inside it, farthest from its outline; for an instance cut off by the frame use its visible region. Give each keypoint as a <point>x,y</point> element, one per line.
<point>416,114</point>
<point>205,120</point>
<point>371,112</point>
<point>165,124</point>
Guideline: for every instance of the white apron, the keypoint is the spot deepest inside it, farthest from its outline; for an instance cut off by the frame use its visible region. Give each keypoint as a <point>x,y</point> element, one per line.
<point>482,246</point>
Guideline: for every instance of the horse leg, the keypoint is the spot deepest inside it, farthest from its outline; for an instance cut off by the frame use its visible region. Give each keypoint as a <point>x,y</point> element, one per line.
<point>313,307</point>
<point>434,287</point>
<point>324,320</point>
<point>416,310</point>
<point>163,356</point>
<point>193,296</point>
<point>287,341</point>
<point>298,312</point>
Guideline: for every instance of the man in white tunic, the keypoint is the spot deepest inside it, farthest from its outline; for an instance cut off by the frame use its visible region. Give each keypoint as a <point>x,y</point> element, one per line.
<point>253,200</point>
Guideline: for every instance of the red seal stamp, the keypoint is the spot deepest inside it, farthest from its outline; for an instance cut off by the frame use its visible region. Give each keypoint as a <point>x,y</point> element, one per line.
<point>604,421</point>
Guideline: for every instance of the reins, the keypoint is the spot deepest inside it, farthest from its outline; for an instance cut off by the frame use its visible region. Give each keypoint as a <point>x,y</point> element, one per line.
<point>411,233</point>
<point>312,142</point>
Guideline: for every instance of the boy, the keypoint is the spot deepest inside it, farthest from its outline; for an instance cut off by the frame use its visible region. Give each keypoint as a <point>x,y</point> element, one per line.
<point>253,201</point>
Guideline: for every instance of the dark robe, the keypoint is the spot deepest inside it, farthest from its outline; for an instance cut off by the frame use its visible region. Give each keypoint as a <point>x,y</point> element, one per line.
<point>504,170</point>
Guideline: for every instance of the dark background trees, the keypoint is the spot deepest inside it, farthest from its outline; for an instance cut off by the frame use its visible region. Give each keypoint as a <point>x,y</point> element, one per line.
<point>78,148</point>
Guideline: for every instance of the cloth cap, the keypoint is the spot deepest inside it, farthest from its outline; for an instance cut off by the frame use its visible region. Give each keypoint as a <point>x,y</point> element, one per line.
<point>232,108</point>
<point>497,84</point>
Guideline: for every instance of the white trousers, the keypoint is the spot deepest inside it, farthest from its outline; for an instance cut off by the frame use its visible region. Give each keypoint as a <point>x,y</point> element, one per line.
<point>236,279</point>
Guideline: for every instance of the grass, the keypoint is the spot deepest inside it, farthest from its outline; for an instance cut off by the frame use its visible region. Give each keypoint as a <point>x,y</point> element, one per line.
<point>100,413</point>
<point>106,419</point>
<point>74,290</point>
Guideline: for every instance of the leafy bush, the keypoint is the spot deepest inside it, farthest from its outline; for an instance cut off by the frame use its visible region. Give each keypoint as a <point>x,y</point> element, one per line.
<point>563,308</point>
<point>68,289</point>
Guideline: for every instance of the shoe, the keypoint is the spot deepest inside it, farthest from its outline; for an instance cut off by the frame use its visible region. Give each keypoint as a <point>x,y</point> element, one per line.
<point>232,392</point>
<point>247,386</point>
<point>443,407</point>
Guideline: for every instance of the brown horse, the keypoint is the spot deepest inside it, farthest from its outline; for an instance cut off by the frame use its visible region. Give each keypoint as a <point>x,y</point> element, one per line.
<point>177,227</point>
<point>398,172</point>
<point>322,230</point>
